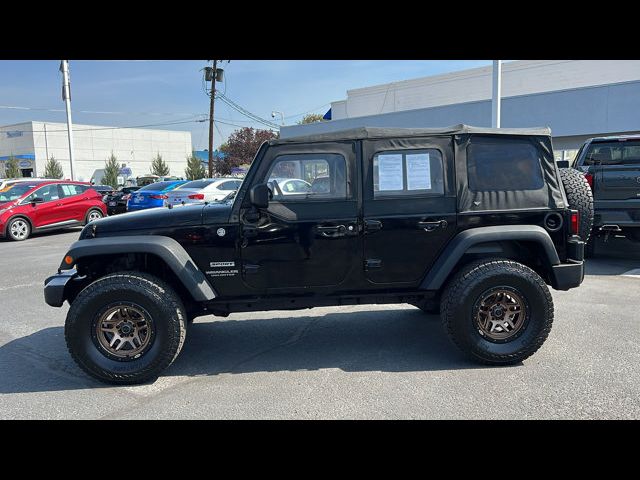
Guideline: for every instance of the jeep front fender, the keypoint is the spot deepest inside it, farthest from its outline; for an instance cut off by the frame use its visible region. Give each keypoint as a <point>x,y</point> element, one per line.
<point>450,257</point>
<point>166,248</point>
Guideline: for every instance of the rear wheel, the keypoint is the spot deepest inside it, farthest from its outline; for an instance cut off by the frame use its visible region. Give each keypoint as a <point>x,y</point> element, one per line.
<point>125,328</point>
<point>92,215</point>
<point>18,229</point>
<point>498,312</point>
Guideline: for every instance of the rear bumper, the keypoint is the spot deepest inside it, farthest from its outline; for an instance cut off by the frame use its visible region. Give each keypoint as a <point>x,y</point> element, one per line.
<point>54,287</point>
<point>567,275</point>
<point>570,274</point>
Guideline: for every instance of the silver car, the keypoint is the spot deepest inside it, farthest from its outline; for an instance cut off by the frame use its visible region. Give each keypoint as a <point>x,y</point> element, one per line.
<point>205,190</point>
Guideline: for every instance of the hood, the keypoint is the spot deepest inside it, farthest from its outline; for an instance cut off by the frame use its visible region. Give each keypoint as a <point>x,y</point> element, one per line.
<point>148,219</point>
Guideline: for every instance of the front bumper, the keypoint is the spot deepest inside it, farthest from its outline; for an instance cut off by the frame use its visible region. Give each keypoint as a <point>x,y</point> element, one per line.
<point>55,287</point>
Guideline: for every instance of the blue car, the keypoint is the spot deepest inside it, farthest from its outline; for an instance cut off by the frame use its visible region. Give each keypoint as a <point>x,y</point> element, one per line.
<point>152,195</point>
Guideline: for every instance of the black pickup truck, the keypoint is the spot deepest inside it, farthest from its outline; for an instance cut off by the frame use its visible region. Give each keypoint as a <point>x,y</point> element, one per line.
<point>612,168</point>
<point>470,222</point>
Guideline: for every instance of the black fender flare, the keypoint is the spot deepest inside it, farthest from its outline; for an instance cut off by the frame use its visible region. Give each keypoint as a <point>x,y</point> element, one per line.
<point>464,240</point>
<point>169,250</point>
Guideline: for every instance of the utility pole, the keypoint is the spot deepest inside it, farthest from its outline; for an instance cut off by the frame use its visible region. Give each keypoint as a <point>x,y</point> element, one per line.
<point>497,93</point>
<point>211,109</point>
<point>66,96</point>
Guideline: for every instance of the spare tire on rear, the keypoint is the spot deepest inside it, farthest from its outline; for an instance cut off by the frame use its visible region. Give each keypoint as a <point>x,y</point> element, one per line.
<point>580,198</point>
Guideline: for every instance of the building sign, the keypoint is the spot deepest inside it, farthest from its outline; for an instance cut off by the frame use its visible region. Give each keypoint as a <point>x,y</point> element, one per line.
<point>14,133</point>
<point>126,171</point>
<point>25,164</point>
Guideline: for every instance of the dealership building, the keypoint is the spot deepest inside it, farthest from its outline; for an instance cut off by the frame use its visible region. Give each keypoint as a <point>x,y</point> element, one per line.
<point>577,99</point>
<point>31,143</point>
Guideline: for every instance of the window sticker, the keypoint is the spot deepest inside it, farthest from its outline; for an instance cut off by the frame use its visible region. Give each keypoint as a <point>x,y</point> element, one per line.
<point>418,172</point>
<point>390,172</point>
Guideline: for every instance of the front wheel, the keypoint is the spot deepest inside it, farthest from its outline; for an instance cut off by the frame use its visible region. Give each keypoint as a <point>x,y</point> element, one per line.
<point>498,312</point>
<point>125,328</point>
<point>18,229</point>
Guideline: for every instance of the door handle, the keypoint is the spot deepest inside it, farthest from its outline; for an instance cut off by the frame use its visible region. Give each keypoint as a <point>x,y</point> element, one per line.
<point>331,231</point>
<point>431,226</point>
<point>372,225</point>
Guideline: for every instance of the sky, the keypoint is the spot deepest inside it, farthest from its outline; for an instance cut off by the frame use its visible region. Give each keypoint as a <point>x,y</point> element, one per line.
<point>136,93</point>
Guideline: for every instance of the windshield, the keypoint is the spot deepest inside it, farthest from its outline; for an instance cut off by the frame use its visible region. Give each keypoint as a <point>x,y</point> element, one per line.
<point>16,191</point>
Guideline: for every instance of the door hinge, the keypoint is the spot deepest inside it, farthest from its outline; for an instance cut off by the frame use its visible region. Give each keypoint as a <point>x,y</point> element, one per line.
<point>372,263</point>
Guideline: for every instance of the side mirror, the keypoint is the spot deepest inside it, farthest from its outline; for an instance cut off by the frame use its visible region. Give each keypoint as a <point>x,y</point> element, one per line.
<point>259,195</point>
<point>37,200</point>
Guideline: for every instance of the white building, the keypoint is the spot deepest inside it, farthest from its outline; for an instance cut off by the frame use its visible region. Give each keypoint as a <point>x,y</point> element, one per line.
<point>33,142</point>
<point>578,99</point>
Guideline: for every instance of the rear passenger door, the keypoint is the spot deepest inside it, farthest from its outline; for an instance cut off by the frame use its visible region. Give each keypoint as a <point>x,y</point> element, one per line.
<point>72,202</point>
<point>409,208</point>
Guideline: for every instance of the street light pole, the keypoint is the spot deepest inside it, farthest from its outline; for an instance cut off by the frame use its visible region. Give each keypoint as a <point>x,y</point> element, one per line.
<point>497,93</point>
<point>66,96</point>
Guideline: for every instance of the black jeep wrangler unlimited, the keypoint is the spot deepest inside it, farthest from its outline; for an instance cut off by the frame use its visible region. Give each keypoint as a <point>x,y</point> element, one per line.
<point>471,222</point>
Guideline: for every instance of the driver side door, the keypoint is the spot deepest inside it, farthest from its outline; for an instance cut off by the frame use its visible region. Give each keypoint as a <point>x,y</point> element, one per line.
<point>303,239</point>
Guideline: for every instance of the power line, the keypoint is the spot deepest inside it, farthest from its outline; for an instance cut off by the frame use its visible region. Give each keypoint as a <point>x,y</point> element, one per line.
<point>308,111</point>
<point>246,112</point>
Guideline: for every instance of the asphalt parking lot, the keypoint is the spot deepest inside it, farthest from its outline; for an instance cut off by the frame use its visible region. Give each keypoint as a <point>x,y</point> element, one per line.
<point>389,362</point>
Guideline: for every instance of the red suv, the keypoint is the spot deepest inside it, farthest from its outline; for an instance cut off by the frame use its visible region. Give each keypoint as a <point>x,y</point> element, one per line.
<point>40,205</point>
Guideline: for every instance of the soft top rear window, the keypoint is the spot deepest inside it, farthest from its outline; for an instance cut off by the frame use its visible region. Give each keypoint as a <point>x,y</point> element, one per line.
<point>503,164</point>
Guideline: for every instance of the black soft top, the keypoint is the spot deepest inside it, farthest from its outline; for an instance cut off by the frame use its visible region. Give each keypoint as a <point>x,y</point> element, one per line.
<point>379,132</point>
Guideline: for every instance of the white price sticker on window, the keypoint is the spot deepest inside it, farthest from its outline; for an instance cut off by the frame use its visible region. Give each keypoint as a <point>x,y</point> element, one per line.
<point>418,172</point>
<point>390,172</point>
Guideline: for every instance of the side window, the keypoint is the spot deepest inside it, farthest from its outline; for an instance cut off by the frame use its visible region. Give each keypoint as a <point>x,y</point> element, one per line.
<point>408,173</point>
<point>317,176</point>
<point>498,165</point>
<point>47,193</point>
<point>71,190</point>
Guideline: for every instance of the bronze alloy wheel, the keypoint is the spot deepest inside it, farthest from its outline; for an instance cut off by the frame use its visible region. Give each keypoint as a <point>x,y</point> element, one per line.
<point>500,314</point>
<point>124,331</point>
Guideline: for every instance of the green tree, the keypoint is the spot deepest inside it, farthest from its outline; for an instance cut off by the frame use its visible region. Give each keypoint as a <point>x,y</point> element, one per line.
<point>159,166</point>
<point>111,171</point>
<point>11,168</point>
<point>311,118</point>
<point>53,169</point>
<point>195,169</point>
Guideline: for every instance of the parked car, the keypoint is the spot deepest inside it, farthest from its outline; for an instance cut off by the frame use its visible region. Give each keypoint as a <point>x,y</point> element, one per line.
<point>205,190</point>
<point>152,195</point>
<point>117,201</point>
<point>476,223</point>
<point>103,189</point>
<point>611,165</point>
<point>26,207</point>
<point>288,186</point>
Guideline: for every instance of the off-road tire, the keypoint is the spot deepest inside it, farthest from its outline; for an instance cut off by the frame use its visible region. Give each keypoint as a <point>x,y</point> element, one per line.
<point>580,198</point>
<point>167,314</point>
<point>465,289</point>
